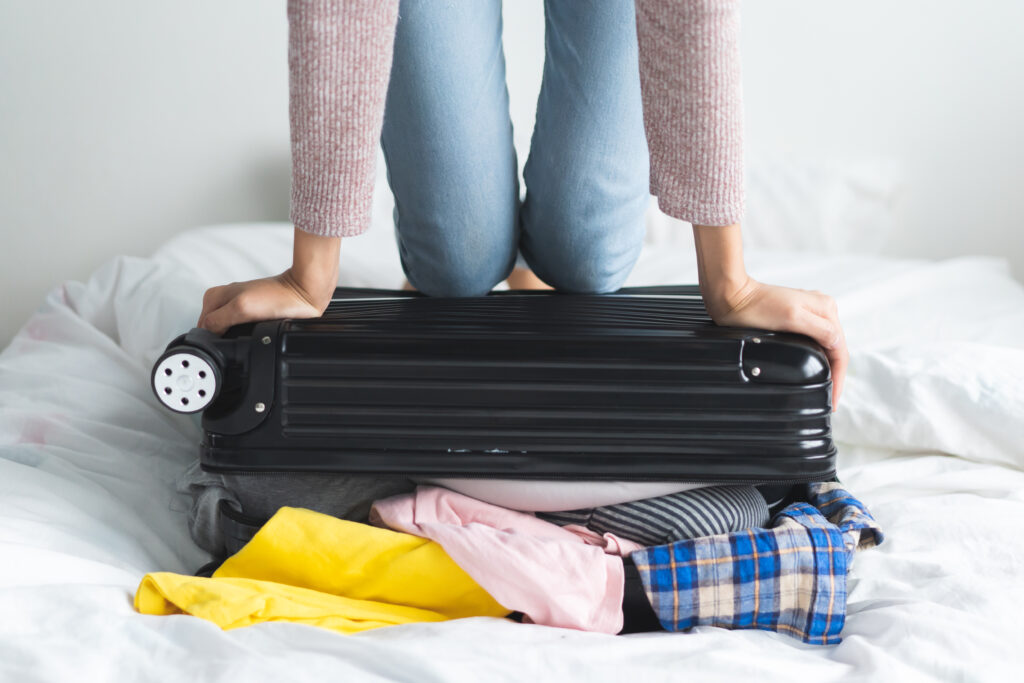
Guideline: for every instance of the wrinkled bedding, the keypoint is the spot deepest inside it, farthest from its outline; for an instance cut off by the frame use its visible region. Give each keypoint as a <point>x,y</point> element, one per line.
<point>930,431</point>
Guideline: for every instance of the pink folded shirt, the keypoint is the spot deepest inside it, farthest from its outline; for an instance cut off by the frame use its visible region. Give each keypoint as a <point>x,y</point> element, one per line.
<point>556,576</point>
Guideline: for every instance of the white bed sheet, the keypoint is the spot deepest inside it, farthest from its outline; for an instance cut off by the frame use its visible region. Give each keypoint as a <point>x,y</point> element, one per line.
<point>930,430</point>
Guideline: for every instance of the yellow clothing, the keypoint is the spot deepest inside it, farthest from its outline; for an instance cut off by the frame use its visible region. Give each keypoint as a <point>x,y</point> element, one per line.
<point>310,568</point>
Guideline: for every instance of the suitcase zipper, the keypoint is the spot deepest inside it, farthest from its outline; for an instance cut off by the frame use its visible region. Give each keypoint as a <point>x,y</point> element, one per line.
<point>566,477</point>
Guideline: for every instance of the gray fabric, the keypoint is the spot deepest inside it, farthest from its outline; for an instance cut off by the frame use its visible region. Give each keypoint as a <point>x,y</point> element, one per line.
<point>687,514</point>
<point>259,496</point>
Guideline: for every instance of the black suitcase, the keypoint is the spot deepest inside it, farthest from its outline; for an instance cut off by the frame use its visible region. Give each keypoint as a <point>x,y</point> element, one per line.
<point>635,385</point>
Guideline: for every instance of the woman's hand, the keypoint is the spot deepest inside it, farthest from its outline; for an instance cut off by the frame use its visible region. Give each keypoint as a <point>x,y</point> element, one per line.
<point>268,298</point>
<point>787,310</point>
<point>302,291</point>
<point>734,298</point>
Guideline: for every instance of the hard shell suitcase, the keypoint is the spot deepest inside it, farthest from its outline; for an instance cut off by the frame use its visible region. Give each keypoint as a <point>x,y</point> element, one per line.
<point>635,385</point>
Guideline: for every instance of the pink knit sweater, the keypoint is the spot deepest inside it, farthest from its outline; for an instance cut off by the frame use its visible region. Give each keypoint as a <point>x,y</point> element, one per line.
<point>339,58</point>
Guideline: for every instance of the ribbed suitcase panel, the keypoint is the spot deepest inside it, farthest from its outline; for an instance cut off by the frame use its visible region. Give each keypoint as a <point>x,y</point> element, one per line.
<point>615,386</point>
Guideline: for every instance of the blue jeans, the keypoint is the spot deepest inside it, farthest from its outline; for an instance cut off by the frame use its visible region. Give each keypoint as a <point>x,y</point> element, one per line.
<point>447,139</point>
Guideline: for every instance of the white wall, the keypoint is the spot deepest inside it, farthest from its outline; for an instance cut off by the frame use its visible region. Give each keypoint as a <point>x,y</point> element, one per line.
<point>123,123</point>
<point>937,85</point>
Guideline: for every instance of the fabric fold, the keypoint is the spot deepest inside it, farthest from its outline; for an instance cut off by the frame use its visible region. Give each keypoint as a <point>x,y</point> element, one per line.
<point>554,576</point>
<point>789,578</point>
<point>307,567</point>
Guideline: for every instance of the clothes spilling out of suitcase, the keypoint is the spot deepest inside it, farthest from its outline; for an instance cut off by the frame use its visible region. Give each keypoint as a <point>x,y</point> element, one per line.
<point>610,463</point>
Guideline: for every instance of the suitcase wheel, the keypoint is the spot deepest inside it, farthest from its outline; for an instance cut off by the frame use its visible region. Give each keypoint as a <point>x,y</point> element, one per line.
<point>186,380</point>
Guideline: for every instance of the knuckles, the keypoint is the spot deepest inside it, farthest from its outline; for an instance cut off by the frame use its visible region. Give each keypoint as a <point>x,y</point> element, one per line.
<point>829,303</point>
<point>792,314</point>
<point>241,305</point>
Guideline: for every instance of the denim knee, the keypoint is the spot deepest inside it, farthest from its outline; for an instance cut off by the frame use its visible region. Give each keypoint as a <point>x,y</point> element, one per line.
<point>593,267</point>
<point>468,258</point>
<point>463,279</point>
<point>447,139</point>
<point>582,241</point>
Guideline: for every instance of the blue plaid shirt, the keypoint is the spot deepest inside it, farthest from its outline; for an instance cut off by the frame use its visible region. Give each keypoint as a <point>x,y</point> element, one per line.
<point>789,578</point>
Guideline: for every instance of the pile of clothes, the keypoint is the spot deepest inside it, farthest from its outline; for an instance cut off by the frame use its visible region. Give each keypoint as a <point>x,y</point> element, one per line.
<point>718,555</point>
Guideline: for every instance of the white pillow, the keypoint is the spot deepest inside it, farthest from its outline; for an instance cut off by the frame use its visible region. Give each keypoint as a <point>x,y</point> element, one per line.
<point>961,398</point>
<point>826,207</point>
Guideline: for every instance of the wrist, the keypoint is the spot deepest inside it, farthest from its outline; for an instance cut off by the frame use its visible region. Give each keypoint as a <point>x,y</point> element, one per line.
<point>314,270</point>
<point>720,266</point>
<point>724,282</point>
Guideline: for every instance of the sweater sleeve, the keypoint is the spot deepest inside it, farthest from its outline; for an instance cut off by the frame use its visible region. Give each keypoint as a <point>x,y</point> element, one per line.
<point>690,79</point>
<point>339,62</point>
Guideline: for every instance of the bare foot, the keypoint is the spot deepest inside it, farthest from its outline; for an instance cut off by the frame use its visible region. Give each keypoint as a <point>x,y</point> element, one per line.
<point>524,278</point>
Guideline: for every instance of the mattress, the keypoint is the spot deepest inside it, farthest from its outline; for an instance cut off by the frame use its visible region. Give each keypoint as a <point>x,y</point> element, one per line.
<point>929,433</point>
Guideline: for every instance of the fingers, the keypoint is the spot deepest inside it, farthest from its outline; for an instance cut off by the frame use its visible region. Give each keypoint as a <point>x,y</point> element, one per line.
<point>838,354</point>
<point>243,307</point>
<point>219,320</point>
<point>839,359</point>
<point>829,334</point>
<point>801,320</point>
<point>823,305</point>
<point>242,302</point>
<point>214,298</point>
<point>807,312</point>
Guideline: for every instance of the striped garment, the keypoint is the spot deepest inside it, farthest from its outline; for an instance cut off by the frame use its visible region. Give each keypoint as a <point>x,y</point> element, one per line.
<point>687,514</point>
<point>789,578</point>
